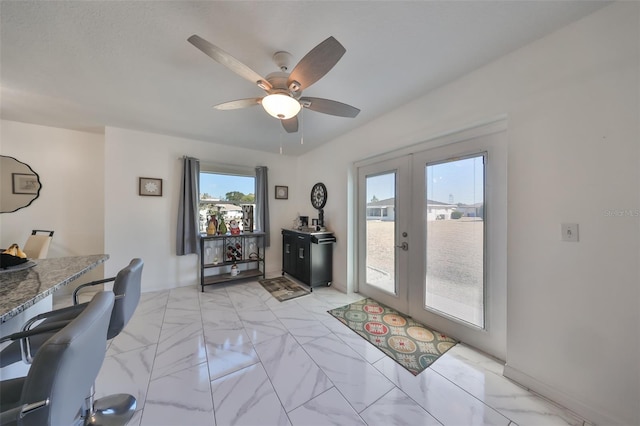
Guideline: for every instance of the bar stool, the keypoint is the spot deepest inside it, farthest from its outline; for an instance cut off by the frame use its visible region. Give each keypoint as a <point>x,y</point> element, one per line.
<point>113,409</point>
<point>64,369</point>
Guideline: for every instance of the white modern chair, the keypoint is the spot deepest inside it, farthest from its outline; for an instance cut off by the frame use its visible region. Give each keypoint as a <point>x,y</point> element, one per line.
<point>37,245</point>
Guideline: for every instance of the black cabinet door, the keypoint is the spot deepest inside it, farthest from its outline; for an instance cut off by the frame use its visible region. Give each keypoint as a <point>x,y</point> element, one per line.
<point>288,253</point>
<point>303,260</point>
<point>321,264</point>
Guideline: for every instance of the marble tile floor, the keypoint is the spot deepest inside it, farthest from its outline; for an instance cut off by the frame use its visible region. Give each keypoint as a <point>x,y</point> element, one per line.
<point>234,355</point>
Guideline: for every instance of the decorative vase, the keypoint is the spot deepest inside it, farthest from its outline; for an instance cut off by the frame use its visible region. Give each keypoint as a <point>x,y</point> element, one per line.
<point>222,228</point>
<point>211,227</point>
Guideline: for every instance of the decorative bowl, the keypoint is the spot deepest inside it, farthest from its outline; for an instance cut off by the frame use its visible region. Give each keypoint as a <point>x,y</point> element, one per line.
<point>8,260</point>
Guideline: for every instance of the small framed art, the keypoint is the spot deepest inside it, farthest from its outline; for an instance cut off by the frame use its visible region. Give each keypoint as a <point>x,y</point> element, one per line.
<point>282,192</point>
<point>150,187</point>
<point>24,183</point>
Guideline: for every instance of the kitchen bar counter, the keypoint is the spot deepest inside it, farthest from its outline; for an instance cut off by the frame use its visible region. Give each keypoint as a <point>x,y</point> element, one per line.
<point>21,289</point>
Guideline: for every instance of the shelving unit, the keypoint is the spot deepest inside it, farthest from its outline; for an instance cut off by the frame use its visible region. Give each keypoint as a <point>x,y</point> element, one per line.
<point>218,253</point>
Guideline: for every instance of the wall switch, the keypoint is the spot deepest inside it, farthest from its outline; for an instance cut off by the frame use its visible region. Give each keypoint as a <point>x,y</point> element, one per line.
<point>569,232</point>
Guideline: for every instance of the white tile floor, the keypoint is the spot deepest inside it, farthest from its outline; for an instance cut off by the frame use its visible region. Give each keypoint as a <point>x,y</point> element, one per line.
<point>234,355</point>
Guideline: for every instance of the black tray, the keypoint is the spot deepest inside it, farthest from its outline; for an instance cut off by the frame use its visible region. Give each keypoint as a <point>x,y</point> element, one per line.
<point>8,260</point>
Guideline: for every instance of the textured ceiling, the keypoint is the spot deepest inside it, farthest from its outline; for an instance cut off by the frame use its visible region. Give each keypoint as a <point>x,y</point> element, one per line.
<point>88,64</point>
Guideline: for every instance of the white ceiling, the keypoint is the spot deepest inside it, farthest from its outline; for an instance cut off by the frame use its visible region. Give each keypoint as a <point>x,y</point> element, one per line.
<point>88,64</point>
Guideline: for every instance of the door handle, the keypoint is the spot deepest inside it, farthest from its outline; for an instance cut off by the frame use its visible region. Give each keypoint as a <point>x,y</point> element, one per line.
<point>404,246</point>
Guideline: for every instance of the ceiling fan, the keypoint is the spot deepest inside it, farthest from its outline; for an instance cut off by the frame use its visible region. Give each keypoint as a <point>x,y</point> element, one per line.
<point>283,99</point>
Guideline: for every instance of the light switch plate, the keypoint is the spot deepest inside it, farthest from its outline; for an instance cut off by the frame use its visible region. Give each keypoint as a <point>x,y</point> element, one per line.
<point>569,232</point>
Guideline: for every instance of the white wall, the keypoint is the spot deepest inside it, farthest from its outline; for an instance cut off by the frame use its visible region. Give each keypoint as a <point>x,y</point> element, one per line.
<point>71,202</point>
<point>145,227</point>
<point>571,100</point>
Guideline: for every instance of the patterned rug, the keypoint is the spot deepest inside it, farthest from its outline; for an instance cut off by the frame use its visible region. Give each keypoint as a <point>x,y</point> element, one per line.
<point>409,343</point>
<point>283,289</point>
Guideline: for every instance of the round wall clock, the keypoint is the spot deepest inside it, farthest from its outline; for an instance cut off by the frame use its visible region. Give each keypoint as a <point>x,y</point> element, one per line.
<point>318,195</point>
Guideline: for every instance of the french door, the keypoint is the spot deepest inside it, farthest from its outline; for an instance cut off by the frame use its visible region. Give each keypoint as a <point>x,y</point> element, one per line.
<point>432,237</point>
<point>383,228</point>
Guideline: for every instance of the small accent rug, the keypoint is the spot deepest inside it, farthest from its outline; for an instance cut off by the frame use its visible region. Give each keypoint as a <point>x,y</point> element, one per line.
<point>283,289</point>
<point>411,344</point>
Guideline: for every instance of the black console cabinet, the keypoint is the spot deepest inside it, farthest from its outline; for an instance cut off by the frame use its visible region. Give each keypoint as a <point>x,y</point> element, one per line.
<point>308,256</point>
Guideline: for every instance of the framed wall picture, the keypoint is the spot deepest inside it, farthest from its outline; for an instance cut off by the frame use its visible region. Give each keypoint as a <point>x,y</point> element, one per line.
<point>23,183</point>
<point>150,187</point>
<point>282,192</point>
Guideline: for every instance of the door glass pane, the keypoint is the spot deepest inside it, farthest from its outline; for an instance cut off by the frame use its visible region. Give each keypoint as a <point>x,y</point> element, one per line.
<point>454,282</point>
<point>381,229</point>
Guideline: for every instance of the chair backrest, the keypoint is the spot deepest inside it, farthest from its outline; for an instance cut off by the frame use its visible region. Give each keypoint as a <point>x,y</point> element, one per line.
<point>67,365</point>
<point>127,288</point>
<point>37,246</point>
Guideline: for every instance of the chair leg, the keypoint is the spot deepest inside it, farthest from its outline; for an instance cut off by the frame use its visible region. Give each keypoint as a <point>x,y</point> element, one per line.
<point>111,410</point>
<point>87,409</point>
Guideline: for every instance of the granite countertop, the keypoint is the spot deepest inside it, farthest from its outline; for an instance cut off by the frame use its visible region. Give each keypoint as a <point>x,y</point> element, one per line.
<point>22,289</point>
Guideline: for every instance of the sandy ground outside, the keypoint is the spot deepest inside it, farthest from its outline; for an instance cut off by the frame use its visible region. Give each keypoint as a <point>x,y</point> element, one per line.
<point>454,264</point>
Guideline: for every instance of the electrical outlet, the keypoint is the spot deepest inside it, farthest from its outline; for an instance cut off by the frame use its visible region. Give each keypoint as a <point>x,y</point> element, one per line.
<point>569,232</point>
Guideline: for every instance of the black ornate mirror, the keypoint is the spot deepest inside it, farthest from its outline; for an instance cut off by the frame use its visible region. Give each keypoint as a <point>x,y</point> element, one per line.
<point>19,184</point>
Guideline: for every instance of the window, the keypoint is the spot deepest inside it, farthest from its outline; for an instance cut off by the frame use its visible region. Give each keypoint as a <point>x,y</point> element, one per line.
<point>222,194</point>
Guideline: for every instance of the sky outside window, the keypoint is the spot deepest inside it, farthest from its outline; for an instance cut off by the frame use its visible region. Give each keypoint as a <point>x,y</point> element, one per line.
<point>446,182</point>
<point>218,185</point>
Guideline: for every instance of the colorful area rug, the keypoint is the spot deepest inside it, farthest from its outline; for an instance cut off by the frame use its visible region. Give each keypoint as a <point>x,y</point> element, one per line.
<point>283,289</point>
<point>409,343</point>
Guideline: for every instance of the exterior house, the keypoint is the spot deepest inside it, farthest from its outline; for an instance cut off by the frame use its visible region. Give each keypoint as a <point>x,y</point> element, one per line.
<point>471,210</point>
<point>381,209</point>
<point>436,210</point>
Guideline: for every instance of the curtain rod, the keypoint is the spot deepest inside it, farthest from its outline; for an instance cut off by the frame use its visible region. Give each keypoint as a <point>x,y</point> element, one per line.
<point>223,167</point>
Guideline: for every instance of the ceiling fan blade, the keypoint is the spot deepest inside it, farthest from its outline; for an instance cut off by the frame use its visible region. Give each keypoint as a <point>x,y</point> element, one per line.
<point>229,61</point>
<point>327,106</point>
<point>237,104</point>
<point>316,64</point>
<point>290,124</point>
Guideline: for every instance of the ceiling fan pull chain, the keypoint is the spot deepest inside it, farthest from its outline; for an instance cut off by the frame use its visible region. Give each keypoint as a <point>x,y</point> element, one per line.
<point>302,127</point>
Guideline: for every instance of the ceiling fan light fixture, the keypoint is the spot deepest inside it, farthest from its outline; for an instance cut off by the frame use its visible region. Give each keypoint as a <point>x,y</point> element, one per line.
<point>281,106</point>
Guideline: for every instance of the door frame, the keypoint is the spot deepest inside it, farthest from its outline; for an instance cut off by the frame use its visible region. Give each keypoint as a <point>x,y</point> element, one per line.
<point>491,339</point>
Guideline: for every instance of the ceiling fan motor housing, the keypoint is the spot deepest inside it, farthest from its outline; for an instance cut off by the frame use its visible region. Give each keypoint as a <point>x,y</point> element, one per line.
<point>278,81</point>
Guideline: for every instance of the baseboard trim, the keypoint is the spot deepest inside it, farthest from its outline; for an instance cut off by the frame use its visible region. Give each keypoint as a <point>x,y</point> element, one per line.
<point>590,414</point>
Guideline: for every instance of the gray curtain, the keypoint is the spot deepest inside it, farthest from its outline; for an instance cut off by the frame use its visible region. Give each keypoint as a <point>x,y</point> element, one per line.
<point>262,203</point>
<point>188,209</point>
